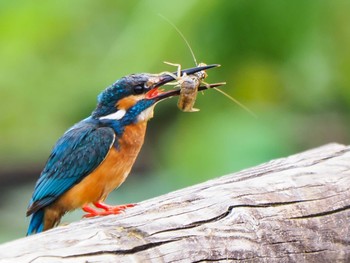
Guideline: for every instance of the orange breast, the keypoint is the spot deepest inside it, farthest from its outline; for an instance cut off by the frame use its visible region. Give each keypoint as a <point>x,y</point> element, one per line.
<point>109,174</point>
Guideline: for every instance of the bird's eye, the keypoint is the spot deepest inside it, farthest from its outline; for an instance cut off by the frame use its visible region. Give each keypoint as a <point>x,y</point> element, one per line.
<point>139,89</point>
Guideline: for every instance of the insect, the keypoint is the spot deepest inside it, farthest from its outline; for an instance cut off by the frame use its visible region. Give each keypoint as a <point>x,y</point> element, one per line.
<point>188,92</point>
<point>190,84</point>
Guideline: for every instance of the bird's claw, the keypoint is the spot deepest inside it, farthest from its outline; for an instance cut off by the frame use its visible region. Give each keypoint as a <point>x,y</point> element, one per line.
<point>106,209</point>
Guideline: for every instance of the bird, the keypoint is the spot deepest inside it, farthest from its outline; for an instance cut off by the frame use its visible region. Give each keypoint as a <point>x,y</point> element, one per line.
<point>95,155</point>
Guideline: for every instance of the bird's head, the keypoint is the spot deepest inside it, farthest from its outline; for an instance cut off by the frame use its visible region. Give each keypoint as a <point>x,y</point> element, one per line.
<point>132,98</point>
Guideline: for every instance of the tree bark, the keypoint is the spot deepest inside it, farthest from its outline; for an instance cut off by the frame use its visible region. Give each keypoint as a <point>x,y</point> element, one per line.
<point>295,209</point>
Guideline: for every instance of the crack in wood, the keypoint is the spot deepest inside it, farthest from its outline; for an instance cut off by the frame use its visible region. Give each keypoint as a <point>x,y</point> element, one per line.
<point>325,213</point>
<point>126,251</point>
<point>226,213</point>
<point>283,242</point>
<point>218,259</point>
<point>197,223</point>
<point>307,252</point>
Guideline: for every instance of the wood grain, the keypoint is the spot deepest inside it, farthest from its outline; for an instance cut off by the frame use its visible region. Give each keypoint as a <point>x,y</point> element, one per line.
<point>295,209</point>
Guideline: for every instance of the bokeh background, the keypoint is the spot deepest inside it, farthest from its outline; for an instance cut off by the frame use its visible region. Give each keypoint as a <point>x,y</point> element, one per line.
<point>288,61</point>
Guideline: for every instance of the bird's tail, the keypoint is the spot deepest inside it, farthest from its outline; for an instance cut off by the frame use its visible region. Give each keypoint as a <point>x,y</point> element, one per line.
<point>36,224</point>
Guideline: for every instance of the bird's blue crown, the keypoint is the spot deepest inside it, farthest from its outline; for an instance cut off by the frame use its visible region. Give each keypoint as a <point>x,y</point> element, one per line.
<point>130,85</point>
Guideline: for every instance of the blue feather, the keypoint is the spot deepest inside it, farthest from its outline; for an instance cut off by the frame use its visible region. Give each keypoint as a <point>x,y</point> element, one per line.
<point>36,224</point>
<point>76,154</point>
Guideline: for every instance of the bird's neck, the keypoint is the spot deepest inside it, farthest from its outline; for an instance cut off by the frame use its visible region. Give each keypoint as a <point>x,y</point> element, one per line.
<point>125,125</point>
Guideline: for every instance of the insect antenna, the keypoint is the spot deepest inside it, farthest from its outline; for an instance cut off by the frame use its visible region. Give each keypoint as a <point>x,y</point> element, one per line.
<point>182,35</point>
<point>237,102</point>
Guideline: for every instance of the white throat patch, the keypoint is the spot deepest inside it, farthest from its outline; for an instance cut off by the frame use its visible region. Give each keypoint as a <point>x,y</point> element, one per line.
<point>146,114</point>
<point>114,116</point>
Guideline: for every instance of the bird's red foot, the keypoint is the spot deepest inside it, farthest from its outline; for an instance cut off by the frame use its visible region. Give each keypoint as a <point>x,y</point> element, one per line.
<point>106,209</point>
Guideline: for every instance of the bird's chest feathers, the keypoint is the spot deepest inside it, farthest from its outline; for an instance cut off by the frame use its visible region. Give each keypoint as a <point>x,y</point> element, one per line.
<point>132,138</point>
<point>118,163</point>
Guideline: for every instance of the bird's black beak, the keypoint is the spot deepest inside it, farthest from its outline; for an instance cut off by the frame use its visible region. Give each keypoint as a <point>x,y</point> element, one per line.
<point>165,78</point>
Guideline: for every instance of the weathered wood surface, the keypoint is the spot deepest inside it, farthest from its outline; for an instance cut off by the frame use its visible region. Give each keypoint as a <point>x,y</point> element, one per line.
<point>295,209</point>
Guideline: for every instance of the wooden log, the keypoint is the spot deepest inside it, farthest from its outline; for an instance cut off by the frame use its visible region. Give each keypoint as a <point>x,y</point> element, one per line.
<point>295,209</point>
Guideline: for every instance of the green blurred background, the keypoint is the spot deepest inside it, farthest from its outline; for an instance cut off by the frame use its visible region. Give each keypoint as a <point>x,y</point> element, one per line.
<point>288,61</point>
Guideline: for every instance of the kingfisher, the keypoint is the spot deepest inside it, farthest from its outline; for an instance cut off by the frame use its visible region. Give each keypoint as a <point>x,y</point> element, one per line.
<point>95,156</point>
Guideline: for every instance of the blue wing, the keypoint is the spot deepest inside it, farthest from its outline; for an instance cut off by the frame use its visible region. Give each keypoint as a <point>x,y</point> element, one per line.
<point>76,154</point>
